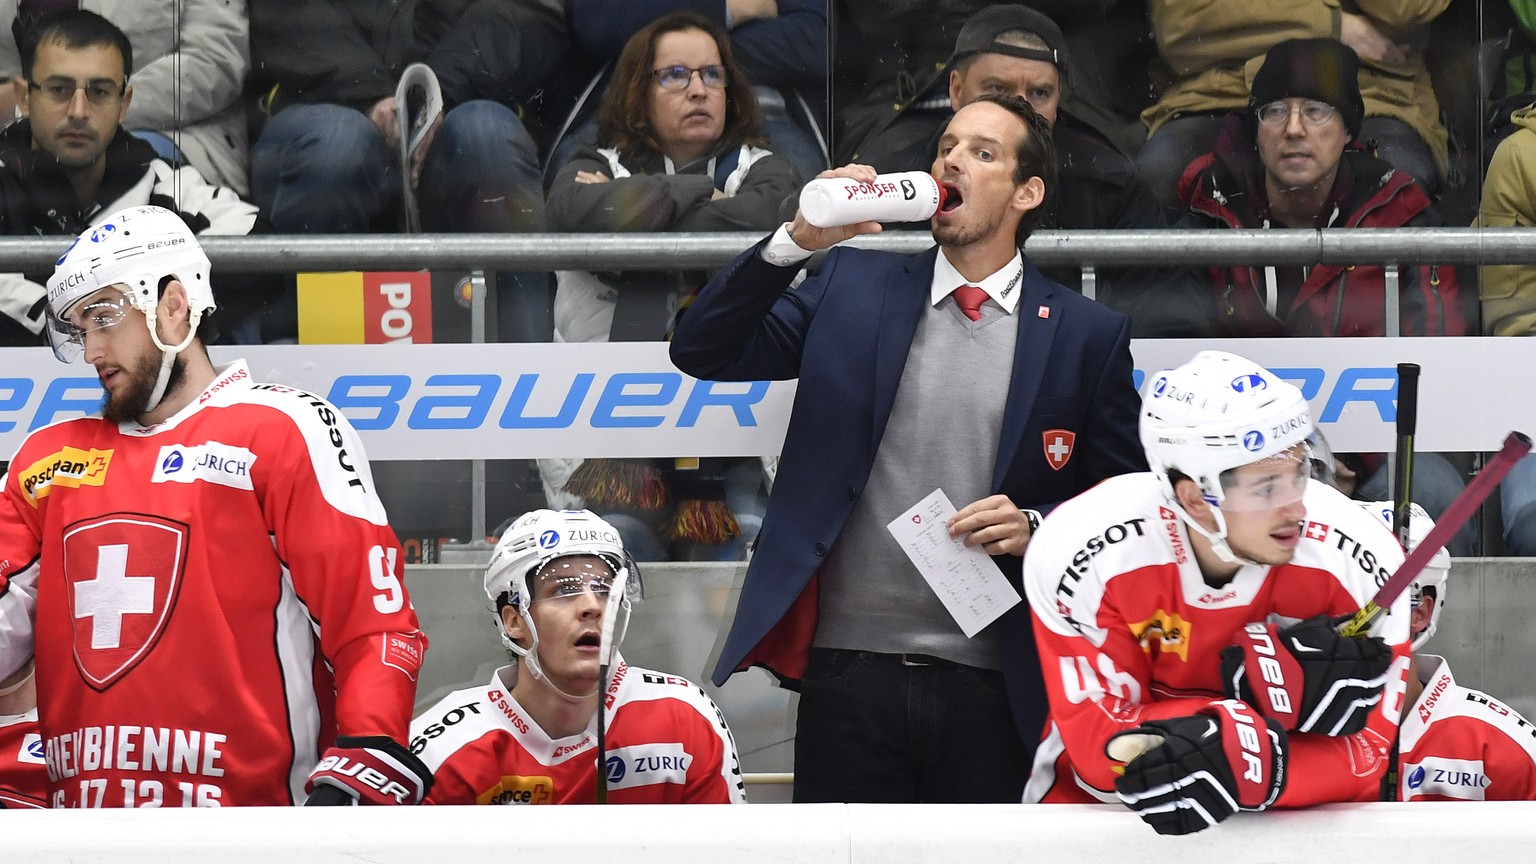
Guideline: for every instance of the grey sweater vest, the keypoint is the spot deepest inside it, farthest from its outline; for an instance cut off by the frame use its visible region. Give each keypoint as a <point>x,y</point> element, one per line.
<point>943,433</point>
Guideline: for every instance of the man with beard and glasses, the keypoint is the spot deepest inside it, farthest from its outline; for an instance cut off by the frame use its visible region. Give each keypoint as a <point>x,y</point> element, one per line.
<point>960,368</point>
<point>1187,617</point>
<point>203,573</point>
<point>69,162</point>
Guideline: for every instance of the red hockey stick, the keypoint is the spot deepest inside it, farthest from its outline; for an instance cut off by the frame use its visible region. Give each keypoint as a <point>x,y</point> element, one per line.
<point>1515,446</point>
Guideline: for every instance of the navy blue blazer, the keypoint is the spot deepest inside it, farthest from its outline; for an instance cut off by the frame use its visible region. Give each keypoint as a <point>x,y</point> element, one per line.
<point>845,333</point>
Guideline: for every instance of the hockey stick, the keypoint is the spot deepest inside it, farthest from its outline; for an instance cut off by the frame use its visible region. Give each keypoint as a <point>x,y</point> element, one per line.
<point>1515,446</point>
<point>604,660</point>
<point>1407,424</point>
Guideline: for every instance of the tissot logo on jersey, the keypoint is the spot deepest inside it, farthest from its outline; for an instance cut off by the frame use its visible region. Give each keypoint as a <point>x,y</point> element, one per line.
<point>70,468</point>
<point>1074,573</point>
<point>210,462</point>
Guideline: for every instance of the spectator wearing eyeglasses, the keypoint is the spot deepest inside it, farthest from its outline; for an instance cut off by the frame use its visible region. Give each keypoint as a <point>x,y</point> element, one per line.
<point>192,58</point>
<point>681,147</point>
<point>70,162</point>
<point>1293,159</point>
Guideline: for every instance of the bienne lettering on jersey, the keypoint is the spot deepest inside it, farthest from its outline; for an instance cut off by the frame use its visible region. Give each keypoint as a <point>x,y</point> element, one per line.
<point>212,599</point>
<point>23,780</point>
<point>1460,744</point>
<point>1129,631</point>
<point>666,743</point>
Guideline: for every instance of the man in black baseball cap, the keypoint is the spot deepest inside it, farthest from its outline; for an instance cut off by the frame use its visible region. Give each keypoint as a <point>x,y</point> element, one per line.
<point>1013,49</point>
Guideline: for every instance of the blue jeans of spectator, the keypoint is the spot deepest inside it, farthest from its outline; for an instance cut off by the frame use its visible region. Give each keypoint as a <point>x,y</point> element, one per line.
<point>1436,483</point>
<point>325,169</point>
<point>872,728</point>
<point>1517,499</point>
<point>1181,140</point>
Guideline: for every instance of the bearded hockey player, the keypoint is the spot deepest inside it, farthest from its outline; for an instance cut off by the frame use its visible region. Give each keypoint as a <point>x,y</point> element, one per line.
<point>1456,743</point>
<point>203,570</point>
<point>1185,617</point>
<point>529,735</point>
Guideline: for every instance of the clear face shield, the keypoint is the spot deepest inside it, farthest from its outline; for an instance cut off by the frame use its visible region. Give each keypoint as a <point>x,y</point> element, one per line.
<point>571,576</point>
<point>1267,484</point>
<point>99,311</point>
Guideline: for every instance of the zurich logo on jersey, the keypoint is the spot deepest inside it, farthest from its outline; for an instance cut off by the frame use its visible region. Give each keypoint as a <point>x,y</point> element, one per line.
<point>616,769</point>
<point>549,539</point>
<point>1249,383</point>
<point>172,463</point>
<point>1416,779</point>
<point>1253,440</point>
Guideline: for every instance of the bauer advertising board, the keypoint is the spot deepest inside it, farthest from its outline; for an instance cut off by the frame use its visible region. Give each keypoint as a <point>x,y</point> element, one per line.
<point>518,401</point>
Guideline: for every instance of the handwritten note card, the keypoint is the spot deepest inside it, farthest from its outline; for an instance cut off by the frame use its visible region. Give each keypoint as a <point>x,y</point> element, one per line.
<point>965,577</point>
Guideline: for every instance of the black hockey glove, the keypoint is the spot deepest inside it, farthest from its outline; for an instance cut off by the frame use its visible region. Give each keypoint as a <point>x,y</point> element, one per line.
<point>1192,772</point>
<point>1307,676</point>
<point>367,770</point>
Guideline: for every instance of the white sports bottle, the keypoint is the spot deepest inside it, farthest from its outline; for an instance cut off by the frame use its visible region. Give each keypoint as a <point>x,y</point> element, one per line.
<point>907,196</point>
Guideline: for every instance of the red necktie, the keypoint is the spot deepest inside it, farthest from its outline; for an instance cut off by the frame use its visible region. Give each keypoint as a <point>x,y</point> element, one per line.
<point>969,298</point>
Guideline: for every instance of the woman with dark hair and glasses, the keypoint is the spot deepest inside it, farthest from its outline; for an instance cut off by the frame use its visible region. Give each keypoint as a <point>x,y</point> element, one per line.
<point>680,147</point>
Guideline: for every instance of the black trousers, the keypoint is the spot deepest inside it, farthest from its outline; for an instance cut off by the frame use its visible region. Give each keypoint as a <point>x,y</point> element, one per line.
<point>904,728</point>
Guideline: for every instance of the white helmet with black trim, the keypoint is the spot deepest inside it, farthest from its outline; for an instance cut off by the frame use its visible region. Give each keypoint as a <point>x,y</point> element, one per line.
<point>535,540</point>
<point>1213,414</point>
<point>1435,574</point>
<point>133,249</point>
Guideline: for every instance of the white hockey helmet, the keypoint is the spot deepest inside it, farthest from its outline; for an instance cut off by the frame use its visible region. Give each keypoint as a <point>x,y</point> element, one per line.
<point>1215,413</point>
<point>1435,574</point>
<point>134,249</point>
<point>541,536</point>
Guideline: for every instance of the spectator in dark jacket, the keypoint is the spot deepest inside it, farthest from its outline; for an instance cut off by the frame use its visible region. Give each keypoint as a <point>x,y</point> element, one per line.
<point>1016,50</point>
<point>326,161</point>
<point>1291,161</point>
<point>70,163</point>
<point>781,46</point>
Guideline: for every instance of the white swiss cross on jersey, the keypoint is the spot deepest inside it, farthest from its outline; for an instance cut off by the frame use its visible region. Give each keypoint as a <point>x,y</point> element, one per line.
<point>124,571</point>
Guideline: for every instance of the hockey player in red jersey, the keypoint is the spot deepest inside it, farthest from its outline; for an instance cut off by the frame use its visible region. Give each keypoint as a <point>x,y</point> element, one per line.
<point>529,735</point>
<point>203,570</point>
<point>23,780</point>
<point>1185,617</point>
<point>1456,743</point>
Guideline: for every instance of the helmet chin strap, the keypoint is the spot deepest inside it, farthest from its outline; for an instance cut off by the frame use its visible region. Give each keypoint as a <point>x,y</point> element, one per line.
<point>530,657</point>
<point>167,355</point>
<point>1217,538</point>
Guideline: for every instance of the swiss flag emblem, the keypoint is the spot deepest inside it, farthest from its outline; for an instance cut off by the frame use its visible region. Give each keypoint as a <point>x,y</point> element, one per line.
<point>1058,447</point>
<point>122,573</point>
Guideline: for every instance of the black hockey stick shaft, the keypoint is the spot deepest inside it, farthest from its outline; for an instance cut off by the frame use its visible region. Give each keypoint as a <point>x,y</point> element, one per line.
<point>1407,425</point>
<point>1515,446</point>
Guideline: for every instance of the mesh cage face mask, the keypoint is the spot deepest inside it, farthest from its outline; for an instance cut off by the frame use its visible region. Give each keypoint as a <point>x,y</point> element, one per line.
<point>132,249</point>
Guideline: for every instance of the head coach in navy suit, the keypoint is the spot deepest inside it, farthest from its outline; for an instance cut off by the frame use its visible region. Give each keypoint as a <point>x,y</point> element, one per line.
<point>1010,399</point>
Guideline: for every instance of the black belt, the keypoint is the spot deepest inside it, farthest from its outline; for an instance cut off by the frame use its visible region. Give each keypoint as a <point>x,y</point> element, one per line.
<point>910,659</point>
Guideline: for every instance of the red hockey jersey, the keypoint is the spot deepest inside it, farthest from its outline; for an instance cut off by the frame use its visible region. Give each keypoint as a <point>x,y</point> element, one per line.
<point>1129,631</point>
<point>666,743</point>
<point>1459,744</point>
<point>23,780</point>
<point>213,599</point>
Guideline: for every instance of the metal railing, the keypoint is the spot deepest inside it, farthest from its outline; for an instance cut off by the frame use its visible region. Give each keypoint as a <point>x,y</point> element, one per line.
<point>275,253</point>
